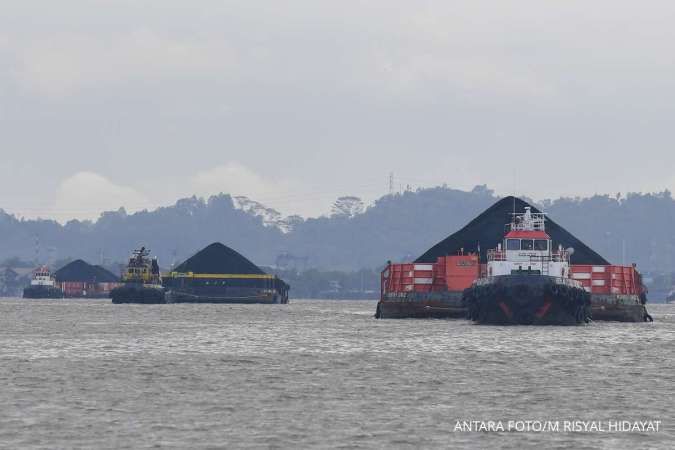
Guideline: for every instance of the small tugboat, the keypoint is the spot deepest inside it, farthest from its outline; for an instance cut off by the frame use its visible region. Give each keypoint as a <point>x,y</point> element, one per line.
<point>42,285</point>
<point>528,282</point>
<point>142,281</point>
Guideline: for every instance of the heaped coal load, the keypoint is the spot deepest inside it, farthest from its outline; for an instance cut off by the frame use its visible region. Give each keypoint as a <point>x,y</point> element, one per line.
<point>82,272</point>
<point>219,274</point>
<point>218,258</point>
<point>487,230</point>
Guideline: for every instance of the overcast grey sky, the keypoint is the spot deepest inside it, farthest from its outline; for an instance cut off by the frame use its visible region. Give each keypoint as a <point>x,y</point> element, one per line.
<point>106,103</point>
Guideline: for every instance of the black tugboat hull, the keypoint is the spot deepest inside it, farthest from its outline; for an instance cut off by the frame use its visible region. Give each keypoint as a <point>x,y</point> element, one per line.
<point>527,300</point>
<point>36,292</point>
<point>138,294</point>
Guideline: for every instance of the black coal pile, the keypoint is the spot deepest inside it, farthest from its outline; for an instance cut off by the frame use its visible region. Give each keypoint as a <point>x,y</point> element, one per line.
<point>80,271</point>
<point>487,230</point>
<point>219,259</point>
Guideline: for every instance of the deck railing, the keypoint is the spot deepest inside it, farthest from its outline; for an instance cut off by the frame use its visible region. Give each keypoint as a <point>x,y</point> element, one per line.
<point>500,255</point>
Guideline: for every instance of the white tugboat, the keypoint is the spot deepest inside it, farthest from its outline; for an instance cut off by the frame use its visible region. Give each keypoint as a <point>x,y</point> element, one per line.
<point>42,285</point>
<point>528,280</point>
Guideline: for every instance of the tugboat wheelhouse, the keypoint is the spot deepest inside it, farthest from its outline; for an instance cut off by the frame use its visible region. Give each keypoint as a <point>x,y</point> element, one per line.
<point>528,249</point>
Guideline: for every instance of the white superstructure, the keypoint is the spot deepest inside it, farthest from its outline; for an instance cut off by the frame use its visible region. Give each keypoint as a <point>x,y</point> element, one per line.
<point>43,277</point>
<point>528,249</point>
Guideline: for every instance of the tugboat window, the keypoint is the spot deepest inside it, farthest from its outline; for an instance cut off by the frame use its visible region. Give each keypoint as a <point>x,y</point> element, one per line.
<point>526,244</point>
<point>541,245</point>
<point>513,244</point>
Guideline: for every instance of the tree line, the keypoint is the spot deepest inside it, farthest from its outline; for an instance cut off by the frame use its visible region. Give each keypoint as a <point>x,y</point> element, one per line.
<point>398,227</point>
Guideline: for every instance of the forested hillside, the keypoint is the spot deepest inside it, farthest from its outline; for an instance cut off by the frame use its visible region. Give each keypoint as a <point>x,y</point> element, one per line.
<point>633,228</point>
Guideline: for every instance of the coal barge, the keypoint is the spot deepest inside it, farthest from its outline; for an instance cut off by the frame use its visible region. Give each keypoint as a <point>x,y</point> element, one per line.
<point>219,274</point>
<point>528,280</point>
<point>432,286</point>
<point>78,279</point>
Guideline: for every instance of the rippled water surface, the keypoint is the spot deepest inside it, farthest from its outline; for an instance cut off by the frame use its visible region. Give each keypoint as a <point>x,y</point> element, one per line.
<point>318,374</point>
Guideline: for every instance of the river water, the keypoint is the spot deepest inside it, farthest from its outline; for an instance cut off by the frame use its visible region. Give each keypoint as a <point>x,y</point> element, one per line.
<point>89,374</point>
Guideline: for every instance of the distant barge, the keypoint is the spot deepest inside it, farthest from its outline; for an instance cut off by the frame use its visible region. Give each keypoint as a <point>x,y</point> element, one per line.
<point>76,279</point>
<point>216,274</point>
<point>219,274</point>
<point>433,285</point>
<point>225,288</point>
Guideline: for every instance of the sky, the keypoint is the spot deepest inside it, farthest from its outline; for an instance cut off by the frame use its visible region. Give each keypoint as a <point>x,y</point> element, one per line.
<point>136,103</point>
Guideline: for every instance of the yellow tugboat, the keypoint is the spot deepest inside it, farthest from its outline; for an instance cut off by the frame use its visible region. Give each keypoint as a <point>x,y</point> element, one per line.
<point>142,280</point>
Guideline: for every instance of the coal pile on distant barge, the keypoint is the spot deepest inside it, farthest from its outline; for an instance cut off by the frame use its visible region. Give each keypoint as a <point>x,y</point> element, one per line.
<point>218,258</point>
<point>82,271</point>
<point>219,274</point>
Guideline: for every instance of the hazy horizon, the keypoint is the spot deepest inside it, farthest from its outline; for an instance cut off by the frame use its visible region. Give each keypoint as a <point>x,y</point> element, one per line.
<point>293,104</point>
<point>62,219</point>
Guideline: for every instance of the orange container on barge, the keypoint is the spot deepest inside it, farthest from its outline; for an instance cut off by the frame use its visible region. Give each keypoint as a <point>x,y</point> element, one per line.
<point>427,290</point>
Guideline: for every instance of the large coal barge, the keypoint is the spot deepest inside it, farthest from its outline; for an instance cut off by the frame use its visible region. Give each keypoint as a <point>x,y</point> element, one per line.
<point>433,285</point>
<point>218,274</point>
<point>527,281</point>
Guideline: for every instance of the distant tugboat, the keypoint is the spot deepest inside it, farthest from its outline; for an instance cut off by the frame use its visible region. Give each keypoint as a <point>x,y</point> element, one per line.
<point>42,285</point>
<point>528,282</point>
<point>142,281</point>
